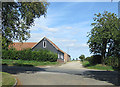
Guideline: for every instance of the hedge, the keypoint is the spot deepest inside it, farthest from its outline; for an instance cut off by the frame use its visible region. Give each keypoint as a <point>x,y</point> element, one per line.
<point>28,54</point>
<point>110,60</point>
<point>95,59</point>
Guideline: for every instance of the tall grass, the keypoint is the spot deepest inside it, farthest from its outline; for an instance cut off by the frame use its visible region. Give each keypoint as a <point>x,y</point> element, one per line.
<point>7,80</point>
<point>26,62</point>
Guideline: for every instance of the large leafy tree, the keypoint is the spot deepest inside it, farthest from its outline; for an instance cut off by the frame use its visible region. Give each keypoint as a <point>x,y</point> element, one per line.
<point>104,38</point>
<point>18,17</point>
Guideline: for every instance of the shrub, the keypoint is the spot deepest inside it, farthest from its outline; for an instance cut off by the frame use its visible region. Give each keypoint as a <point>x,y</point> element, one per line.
<point>28,54</point>
<point>87,58</point>
<point>9,54</point>
<point>95,59</point>
<point>111,61</point>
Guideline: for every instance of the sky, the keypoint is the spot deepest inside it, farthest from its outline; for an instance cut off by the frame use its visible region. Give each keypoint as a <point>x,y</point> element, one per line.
<point>67,24</point>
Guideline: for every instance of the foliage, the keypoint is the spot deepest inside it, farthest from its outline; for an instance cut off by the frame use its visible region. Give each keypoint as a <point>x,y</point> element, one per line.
<point>86,63</point>
<point>82,57</point>
<point>73,59</point>
<point>112,61</point>
<point>95,59</point>
<point>18,17</point>
<point>104,38</point>
<point>0,45</point>
<point>87,58</point>
<point>109,61</point>
<point>26,62</point>
<point>9,54</point>
<point>97,66</point>
<point>28,54</point>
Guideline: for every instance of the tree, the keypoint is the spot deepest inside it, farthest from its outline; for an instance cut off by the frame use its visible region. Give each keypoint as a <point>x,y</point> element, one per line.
<point>82,57</point>
<point>18,17</point>
<point>105,35</point>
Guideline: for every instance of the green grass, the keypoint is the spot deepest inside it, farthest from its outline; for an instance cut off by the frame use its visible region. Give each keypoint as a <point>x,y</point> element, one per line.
<point>26,62</point>
<point>97,66</point>
<point>7,80</point>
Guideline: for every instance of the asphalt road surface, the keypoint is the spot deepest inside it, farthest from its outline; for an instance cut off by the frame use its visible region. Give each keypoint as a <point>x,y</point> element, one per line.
<point>71,73</point>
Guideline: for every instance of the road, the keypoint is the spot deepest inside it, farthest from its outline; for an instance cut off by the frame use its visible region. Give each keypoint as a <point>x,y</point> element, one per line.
<point>71,73</point>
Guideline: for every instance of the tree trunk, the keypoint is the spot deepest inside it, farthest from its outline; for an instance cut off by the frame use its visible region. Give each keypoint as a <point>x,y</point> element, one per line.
<point>104,51</point>
<point>103,57</point>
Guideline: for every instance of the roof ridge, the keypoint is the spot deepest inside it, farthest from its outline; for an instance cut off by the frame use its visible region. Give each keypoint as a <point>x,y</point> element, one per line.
<point>35,43</point>
<point>54,45</point>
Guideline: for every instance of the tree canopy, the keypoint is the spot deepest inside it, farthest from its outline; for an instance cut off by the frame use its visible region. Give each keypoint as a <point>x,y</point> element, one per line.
<point>82,57</point>
<point>104,38</point>
<point>18,17</point>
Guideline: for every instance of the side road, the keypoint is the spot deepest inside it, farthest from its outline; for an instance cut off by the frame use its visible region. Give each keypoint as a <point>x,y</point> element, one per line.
<point>73,65</point>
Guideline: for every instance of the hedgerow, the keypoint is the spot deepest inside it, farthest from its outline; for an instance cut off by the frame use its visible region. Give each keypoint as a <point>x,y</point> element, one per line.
<point>112,61</point>
<point>28,54</point>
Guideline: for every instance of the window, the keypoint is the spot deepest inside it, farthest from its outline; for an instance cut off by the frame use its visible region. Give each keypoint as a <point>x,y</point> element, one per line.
<point>58,55</point>
<point>44,44</point>
<point>61,56</point>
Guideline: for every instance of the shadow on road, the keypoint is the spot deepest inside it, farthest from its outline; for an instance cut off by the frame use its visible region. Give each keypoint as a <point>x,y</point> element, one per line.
<point>109,76</point>
<point>21,69</point>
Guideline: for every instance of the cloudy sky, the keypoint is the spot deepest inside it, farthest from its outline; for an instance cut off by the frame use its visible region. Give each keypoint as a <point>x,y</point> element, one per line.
<point>67,24</point>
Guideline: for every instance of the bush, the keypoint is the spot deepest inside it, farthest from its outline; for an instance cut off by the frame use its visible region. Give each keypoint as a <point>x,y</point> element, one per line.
<point>9,54</point>
<point>28,54</point>
<point>95,59</point>
<point>87,58</point>
<point>111,61</point>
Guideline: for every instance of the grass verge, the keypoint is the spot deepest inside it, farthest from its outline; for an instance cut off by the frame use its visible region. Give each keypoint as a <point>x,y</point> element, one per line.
<point>7,80</point>
<point>97,66</point>
<point>26,63</point>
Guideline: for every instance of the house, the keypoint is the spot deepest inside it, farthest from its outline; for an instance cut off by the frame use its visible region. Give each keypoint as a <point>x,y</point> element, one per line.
<point>45,43</point>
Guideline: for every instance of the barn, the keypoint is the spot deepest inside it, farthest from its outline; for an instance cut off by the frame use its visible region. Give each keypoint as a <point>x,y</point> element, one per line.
<point>45,43</point>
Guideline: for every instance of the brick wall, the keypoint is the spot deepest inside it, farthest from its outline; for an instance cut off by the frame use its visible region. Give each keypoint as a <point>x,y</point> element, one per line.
<point>60,60</point>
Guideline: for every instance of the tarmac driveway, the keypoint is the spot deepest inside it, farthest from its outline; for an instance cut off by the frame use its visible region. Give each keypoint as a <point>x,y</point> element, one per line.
<point>71,73</point>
